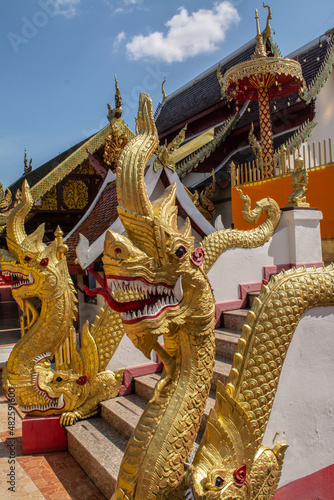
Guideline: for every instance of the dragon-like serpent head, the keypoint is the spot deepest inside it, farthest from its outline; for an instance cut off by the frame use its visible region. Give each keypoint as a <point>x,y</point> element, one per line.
<point>59,390</point>
<point>229,464</point>
<point>154,276</point>
<point>32,269</point>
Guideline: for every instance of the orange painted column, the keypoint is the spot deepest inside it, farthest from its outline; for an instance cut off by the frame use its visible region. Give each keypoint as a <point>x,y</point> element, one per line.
<point>266,132</point>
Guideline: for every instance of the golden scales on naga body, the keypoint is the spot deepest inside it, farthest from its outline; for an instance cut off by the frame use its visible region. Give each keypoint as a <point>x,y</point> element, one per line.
<point>156,285</point>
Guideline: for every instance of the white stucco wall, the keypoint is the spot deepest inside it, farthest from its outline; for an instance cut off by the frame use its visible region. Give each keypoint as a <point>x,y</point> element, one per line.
<point>297,240</point>
<point>303,410</point>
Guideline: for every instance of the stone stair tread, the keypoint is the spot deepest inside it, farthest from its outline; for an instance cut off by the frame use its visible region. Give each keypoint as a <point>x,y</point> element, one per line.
<point>145,384</point>
<point>237,312</point>
<point>98,448</point>
<point>221,370</point>
<point>123,412</point>
<point>227,334</point>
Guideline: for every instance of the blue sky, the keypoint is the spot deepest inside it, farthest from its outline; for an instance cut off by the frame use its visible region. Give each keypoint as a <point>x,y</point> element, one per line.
<point>59,58</point>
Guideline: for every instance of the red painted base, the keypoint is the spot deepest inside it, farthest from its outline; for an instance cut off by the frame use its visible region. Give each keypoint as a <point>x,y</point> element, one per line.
<point>316,486</point>
<point>43,434</point>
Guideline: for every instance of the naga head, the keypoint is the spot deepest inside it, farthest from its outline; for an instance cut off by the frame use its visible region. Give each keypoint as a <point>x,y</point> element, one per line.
<point>222,464</point>
<point>57,391</point>
<point>154,275</point>
<point>229,463</point>
<point>33,269</point>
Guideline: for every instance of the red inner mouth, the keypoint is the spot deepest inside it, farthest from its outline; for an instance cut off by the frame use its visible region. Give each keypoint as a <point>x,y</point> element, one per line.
<point>124,307</point>
<point>121,306</point>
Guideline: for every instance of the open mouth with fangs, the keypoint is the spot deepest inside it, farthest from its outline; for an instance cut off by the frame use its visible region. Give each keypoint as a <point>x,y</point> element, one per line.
<point>137,299</point>
<point>16,280</point>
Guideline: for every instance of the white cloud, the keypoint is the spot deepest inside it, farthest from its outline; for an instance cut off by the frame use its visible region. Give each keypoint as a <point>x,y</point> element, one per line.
<point>188,34</point>
<point>121,36</point>
<point>66,8</point>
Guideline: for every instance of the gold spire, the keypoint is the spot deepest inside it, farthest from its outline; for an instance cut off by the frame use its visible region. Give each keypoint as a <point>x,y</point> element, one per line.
<point>118,100</point>
<point>260,50</point>
<point>164,95</point>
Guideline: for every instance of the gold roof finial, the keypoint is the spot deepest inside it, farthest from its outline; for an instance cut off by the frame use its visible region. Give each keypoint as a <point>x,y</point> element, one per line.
<point>260,50</point>
<point>164,95</point>
<point>118,100</point>
<point>61,248</point>
<point>27,168</point>
<point>267,30</point>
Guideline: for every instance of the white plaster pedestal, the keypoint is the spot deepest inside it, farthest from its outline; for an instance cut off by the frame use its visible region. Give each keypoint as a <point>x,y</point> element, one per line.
<point>302,226</point>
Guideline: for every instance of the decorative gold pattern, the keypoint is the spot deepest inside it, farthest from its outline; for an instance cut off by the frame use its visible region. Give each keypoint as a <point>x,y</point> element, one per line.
<point>164,153</point>
<point>115,143</point>
<point>258,68</point>
<point>237,423</point>
<point>266,133</point>
<point>49,200</point>
<point>75,194</point>
<point>79,382</point>
<point>5,199</point>
<point>192,160</point>
<point>203,200</point>
<point>156,278</point>
<point>85,168</point>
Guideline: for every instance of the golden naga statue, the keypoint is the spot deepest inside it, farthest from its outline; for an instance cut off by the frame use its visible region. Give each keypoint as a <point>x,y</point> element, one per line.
<point>230,462</point>
<point>157,280</point>
<point>42,287</point>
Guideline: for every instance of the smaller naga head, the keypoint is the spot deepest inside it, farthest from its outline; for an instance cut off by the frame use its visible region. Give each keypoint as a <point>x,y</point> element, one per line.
<point>61,390</point>
<point>222,465</point>
<point>33,269</point>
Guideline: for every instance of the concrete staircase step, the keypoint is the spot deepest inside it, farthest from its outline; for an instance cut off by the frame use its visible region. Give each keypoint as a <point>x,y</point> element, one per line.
<point>234,320</point>
<point>250,298</point>
<point>226,342</point>
<point>123,412</point>
<point>145,384</point>
<point>221,371</point>
<point>98,448</point>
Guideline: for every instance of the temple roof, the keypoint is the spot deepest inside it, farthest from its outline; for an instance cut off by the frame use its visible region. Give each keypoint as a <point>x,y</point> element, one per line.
<point>39,173</point>
<point>204,91</point>
<point>199,94</point>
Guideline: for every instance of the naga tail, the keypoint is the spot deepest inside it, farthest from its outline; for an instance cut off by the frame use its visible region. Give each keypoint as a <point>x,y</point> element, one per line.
<point>216,243</point>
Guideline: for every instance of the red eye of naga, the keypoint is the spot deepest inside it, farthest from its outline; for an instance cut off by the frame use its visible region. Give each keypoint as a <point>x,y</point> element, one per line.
<point>44,262</point>
<point>240,476</point>
<point>118,250</point>
<point>197,257</point>
<point>82,380</point>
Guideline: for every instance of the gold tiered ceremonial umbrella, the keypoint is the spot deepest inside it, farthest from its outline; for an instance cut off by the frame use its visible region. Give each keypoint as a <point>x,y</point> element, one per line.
<point>263,78</point>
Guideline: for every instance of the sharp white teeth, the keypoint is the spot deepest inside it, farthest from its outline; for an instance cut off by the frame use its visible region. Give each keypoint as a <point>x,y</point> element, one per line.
<point>167,301</point>
<point>177,290</point>
<point>145,311</point>
<point>60,401</point>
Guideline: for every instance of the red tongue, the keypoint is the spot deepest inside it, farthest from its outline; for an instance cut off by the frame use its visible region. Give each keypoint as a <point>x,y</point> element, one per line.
<point>119,306</point>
